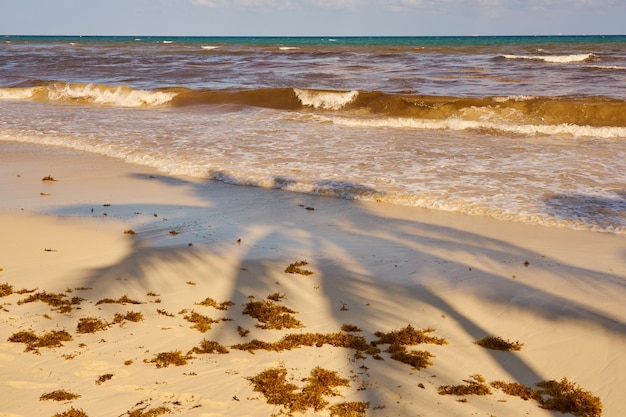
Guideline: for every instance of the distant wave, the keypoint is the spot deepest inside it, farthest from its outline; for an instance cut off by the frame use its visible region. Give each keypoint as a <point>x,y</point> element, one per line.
<point>561,59</point>
<point>606,67</point>
<point>577,116</point>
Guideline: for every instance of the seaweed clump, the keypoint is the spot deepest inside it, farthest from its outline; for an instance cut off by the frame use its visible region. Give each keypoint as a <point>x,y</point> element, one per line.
<point>563,396</point>
<point>200,322</point>
<point>151,412</point>
<point>59,395</point>
<point>473,386</point>
<point>567,397</point>
<point>209,302</point>
<point>296,268</point>
<point>349,409</point>
<point>5,289</point>
<point>498,343</point>
<point>165,359</point>
<point>72,412</point>
<point>398,340</point>
<point>271,315</point>
<point>296,340</point>
<point>209,346</point>
<point>273,384</point>
<point>90,325</point>
<point>59,301</point>
<point>33,342</point>
<point>122,300</point>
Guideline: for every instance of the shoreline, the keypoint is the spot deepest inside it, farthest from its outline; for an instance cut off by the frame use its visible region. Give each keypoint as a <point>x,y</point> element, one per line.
<point>379,267</point>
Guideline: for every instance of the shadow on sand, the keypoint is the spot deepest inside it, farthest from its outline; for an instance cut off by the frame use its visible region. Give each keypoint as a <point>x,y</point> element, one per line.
<point>414,263</point>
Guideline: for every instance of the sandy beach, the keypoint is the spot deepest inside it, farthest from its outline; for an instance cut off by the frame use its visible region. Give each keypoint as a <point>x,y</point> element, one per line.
<point>138,273</point>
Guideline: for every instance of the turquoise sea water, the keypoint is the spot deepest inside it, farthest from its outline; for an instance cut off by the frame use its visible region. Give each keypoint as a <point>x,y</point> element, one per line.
<point>528,129</point>
<point>341,40</point>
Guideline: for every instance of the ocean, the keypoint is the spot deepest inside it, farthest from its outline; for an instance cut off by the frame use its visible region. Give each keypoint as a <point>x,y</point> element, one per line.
<point>525,129</point>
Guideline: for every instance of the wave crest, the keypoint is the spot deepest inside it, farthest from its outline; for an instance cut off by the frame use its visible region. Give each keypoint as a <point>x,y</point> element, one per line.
<point>89,93</point>
<point>328,100</point>
<point>554,59</point>
<point>458,124</point>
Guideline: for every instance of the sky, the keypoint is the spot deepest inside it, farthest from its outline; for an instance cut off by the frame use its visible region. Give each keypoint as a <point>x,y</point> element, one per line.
<point>312,17</point>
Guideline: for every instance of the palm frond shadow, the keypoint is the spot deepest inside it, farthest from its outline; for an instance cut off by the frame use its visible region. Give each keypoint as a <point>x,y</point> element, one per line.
<point>259,246</point>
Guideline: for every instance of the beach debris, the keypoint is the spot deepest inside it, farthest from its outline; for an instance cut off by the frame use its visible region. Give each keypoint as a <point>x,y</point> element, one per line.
<point>72,412</point>
<point>473,386</point>
<point>295,268</point>
<point>276,297</point>
<point>48,178</point>
<point>273,384</point>
<point>242,331</point>
<point>5,289</point>
<point>209,347</point>
<point>563,396</point>
<point>60,301</point>
<point>313,391</point>
<point>91,325</point>
<point>498,343</point>
<point>103,378</point>
<point>59,395</point>
<point>122,300</point>
<point>165,313</point>
<point>54,338</point>
<point>209,302</point>
<point>350,328</point>
<point>349,409</point>
<point>272,316</point>
<point>165,359</point>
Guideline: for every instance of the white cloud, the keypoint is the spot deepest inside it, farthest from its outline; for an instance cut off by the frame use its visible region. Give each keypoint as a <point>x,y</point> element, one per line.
<point>335,4</point>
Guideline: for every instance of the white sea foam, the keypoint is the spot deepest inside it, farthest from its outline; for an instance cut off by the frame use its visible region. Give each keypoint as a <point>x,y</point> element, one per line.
<point>209,47</point>
<point>90,93</point>
<point>607,67</point>
<point>513,98</point>
<point>560,59</point>
<point>287,48</point>
<point>16,93</point>
<point>329,100</point>
<point>460,124</point>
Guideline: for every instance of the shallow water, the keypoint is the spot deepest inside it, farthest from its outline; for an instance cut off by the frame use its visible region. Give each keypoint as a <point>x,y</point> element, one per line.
<point>526,129</point>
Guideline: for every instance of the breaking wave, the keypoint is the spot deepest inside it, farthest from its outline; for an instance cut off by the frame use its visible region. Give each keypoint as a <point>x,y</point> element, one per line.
<point>527,115</point>
<point>555,59</point>
<point>88,94</point>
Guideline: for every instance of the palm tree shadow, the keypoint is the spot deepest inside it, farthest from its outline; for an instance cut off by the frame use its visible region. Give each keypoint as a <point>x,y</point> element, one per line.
<point>347,285</point>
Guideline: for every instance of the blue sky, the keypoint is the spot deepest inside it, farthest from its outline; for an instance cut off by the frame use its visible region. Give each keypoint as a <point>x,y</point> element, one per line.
<point>312,17</point>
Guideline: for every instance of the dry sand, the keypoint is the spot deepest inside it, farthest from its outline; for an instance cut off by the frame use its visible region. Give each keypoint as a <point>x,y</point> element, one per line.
<point>561,293</point>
